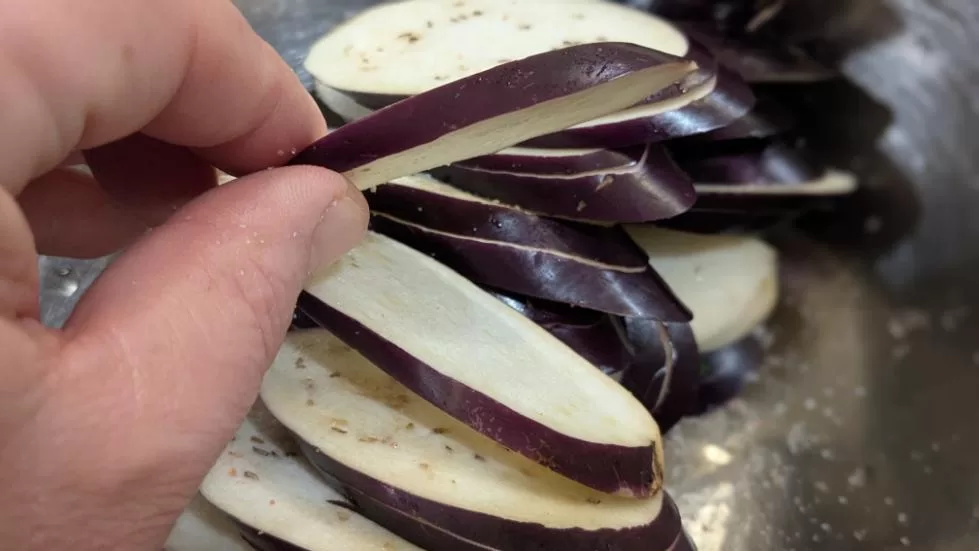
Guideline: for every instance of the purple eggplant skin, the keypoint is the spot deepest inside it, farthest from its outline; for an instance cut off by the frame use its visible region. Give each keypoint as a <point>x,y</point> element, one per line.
<point>767,119</point>
<point>467,216</point>
<point>723,168</point>
<point>665,370</point>
<point>301,321</point>
<point>760,209</point>
<point>638,468</point>
<point>653,190</point>
<point>424,535</point>
<point>725,15</point>
<point>594,335</point>
<point>586,160</point>
<point>495,245</point>
<point>758,61</point>
<point>724,372</point>
<point>499,91</point>
<point>747,161</point>
<point>720,221</point>
<point>632,350</point>
<point>731,100</point>
<point>261,541</point>
<point>498,533</point>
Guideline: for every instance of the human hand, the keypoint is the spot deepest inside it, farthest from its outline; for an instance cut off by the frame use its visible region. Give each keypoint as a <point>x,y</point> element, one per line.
<point>108,425</point>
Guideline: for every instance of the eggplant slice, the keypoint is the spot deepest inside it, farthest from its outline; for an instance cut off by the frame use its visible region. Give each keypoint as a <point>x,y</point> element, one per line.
<point>768,118</point>
<point>398,49</point>
<point>725,371</point>
<point>363,64</point>
<point>665,370</point>
<point>647,187</point>
<point>760,176</point>
<point>758,61</point>
<point>728,16</point>
<point>372,435</point>
<point>498,108</point>
<point>715,103</point>
<point>497,245</point>
<point>730,282</point>
<point>481,362</point>
<point>748,186</point>
<point>657,362</point>
<point>557,162</point>
<point>277,500</point>
<point>595,336</point>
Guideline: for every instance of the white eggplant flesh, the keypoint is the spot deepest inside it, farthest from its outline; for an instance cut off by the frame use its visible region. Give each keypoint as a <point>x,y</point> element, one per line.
<point>262,482</point>
<point>407,47</point>
<point>482,362</point>
<point>372,435</point>
<point>729,282</point>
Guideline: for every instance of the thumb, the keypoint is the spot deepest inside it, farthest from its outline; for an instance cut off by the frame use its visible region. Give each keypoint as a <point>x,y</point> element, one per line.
<point>181,328</point>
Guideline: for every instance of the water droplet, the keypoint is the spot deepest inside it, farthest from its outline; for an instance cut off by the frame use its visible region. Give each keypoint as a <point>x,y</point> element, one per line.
<point>68,287</point>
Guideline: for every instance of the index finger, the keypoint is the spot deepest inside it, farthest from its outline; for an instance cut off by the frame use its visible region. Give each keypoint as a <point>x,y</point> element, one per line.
<point>189,72</point>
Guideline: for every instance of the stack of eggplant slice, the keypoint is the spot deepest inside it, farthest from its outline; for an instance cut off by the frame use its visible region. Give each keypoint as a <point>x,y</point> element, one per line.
<point>760,41</point>
<point>711,154</point>
<point>493,366</point>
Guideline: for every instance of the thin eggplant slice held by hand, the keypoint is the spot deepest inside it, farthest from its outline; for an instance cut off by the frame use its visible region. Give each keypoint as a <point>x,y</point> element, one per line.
<point>500,246</point>
<point>729,282</point>
<point>485,364</point>
<point>401,49</point>
<point>495,109</point>
<point>389,447</point>
<point>277,501</point>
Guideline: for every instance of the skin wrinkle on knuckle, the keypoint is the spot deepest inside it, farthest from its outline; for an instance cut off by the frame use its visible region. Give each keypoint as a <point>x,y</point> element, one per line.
<point>213,52</point>
<point>19,277</point>
<point>268,108</point>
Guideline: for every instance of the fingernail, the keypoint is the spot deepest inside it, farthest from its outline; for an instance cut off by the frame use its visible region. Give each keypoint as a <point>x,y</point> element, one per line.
<point>341,228</point>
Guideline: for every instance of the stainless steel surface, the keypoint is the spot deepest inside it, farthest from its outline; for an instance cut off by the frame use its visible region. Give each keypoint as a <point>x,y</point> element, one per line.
<point>859,430</point>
